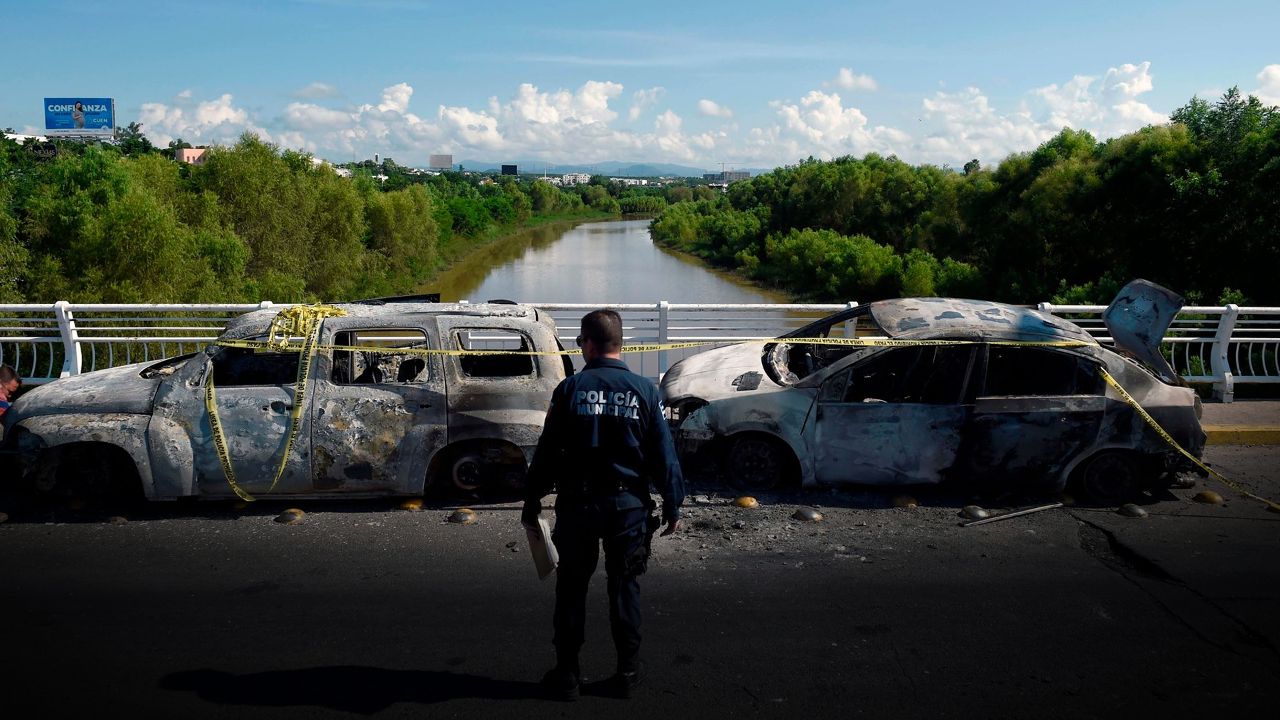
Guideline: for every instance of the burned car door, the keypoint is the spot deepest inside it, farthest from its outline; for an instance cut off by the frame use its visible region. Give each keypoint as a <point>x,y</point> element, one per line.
<point>1036,410</point>
<point>894,417</point>
<point>378,414</point>
<point>254,402</point>
<point>498,402</point>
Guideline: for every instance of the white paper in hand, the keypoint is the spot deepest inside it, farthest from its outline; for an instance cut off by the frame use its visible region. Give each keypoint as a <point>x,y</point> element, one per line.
<point>545,557</point>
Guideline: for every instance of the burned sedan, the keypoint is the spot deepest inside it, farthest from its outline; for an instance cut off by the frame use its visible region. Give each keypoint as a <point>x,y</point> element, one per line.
<point>934,389</point>
<point>385,405</point>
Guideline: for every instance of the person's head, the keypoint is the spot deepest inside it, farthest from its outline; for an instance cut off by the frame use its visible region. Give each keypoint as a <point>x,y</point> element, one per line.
<point>601,334</point>
<point>79,106</point>
<point>9,380</point>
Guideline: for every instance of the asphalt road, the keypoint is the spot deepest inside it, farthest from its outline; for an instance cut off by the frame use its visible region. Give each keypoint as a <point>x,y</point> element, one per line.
<point>365,610</point>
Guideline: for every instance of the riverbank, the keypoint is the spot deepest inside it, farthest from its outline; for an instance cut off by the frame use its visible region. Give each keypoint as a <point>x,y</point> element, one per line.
<point>501,244</point>
<point>470,263</point>
<point>585,259</point>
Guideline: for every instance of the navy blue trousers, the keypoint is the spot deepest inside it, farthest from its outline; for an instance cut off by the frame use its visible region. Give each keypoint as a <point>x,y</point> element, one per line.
<point>582,525</point>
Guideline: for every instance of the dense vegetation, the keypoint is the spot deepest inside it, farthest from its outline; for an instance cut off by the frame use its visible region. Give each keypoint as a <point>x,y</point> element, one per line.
<point>1193,205</point>
<point>124,223</point>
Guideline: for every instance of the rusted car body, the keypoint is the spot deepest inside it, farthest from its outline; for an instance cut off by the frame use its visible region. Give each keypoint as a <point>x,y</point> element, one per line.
<point>997,406</point>
<point>380,419</point>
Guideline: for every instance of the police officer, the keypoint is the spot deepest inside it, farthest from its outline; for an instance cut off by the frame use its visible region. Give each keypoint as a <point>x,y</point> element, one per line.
<point>604,441</point>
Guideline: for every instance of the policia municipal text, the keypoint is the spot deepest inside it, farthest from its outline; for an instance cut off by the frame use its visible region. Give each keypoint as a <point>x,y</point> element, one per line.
<point>604,442</point>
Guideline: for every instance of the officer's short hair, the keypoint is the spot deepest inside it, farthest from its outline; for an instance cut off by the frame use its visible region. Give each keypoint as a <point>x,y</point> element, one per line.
<point>8,374</point>
<point>604,328</point>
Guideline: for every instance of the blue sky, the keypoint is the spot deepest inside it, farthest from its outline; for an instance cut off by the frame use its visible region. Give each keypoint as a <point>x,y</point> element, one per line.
<point>745,83</point>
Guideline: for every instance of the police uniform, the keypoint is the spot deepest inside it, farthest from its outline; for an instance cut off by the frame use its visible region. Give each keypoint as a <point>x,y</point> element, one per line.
<point>604,441</point>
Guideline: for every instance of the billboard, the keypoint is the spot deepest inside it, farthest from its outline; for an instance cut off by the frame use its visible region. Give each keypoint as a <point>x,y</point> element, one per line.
<point>79,114</point>
<point>441,162</point>
<point>509,170</point>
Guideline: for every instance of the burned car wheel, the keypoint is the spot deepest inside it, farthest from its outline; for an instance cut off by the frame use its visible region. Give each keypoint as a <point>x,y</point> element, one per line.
<point>1109,478</point>
<point>88,475</point>
<point>757,462</point>
<point>468,473</point>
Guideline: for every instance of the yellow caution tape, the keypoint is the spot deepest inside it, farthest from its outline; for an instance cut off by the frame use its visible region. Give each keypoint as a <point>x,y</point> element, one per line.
<point>297,321</point>
<point>1174,443</point>
<point>220,442</point>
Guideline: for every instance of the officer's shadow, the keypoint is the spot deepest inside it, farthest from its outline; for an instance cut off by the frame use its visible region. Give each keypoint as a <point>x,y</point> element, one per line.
<point>350,688</point>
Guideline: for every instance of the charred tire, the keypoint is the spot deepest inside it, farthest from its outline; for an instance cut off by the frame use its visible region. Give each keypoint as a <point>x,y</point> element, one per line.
<point>758,462</point>
<point>1110,478</point>
<point>468,473</point>
<point>96,476</point>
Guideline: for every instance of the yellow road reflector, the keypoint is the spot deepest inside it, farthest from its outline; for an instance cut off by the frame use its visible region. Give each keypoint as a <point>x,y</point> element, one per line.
<point>1208,497</point>
<point>4,517</point>
<point>239,505</point>
<point>973,512</point>
<point>1131,511</point>
<point>412,504</point>
<point>463,516</point>
<point>290,516</point>
<point>905,501</point>
<point>746,501</point>
<point>806,514</point>
<point>118,520</point>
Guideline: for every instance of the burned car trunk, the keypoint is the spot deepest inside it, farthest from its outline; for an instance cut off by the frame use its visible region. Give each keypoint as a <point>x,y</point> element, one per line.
<point>992,394</point>
<point>388,405</point>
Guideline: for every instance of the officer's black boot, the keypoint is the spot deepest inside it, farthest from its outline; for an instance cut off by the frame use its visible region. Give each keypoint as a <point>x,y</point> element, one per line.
<point>562,681</point>
<point>627,679</point>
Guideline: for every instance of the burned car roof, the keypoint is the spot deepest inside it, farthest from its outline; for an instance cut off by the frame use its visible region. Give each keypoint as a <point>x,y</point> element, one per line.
<point>931,317</point>
<point>256,323</point>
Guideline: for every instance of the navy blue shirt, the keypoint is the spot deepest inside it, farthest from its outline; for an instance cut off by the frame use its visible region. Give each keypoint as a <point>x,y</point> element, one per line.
<point>605,432</point>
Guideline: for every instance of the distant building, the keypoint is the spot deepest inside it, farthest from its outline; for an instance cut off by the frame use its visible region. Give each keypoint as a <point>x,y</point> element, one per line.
<point>630,181</point>
<point>189,156</point>
<point>726,177</point>
<point>575,179</point>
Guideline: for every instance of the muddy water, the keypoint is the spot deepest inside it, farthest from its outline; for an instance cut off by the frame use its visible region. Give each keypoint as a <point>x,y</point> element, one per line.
<point>597,262</point>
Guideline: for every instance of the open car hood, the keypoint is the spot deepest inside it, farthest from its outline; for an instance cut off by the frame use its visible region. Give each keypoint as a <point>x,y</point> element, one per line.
<point>1137,319</point>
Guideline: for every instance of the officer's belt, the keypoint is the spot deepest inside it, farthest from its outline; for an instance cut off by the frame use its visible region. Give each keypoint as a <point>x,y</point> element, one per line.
<point>593,490</point>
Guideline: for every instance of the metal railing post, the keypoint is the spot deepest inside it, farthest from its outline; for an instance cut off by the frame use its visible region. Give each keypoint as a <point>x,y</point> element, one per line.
<point>72,361</point>
<point>664,318</point>
<point>1224,386</point>
<point>850,326</point>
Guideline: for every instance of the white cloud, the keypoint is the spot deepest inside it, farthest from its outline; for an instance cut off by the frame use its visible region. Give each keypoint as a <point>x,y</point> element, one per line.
<point>208,122</point>
<point>711,108</point>
<point>1269,85</point>
<point>317,91</point>
<point>848,80</point>
<point>396,98</point>
<point>642,100</point>
<point>1105,108</point>
<point>583,124</point>
<point>820,125</point>
<point>962,125</point>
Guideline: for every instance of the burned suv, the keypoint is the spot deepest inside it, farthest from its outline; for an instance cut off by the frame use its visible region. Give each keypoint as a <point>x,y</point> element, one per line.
<point>935,389</point>
<point>386,412</point>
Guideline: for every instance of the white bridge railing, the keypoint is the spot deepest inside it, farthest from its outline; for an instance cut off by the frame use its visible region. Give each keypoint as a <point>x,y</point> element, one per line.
<point>1223,345</point>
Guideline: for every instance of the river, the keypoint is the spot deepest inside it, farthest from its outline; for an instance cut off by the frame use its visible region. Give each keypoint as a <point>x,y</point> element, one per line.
<point>596,262</point>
